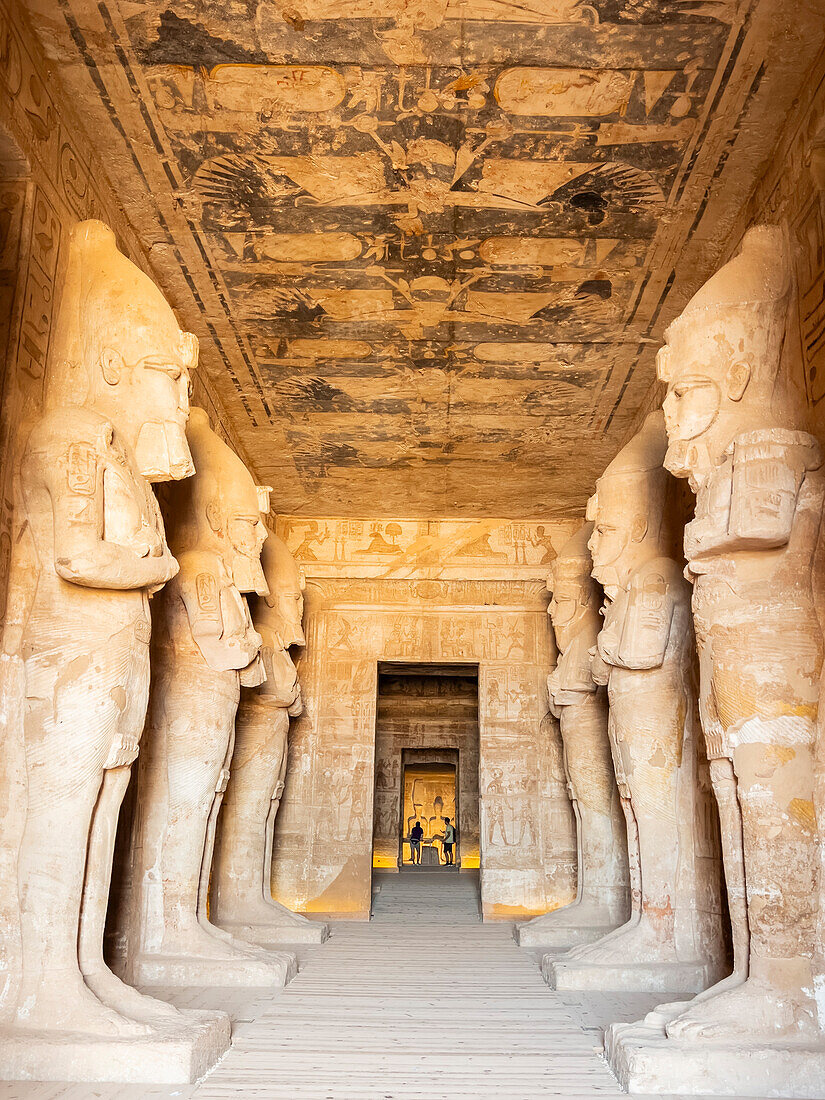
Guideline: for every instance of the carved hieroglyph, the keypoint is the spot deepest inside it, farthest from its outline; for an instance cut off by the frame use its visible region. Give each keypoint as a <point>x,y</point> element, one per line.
<point>580,704</point>
<point>242,899</point>
<point>735,434</point>
<point>205,648</point>
<point>673,940</point>
<point>92,551</point>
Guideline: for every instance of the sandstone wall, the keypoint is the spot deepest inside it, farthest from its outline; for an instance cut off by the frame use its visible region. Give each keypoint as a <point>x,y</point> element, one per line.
<point>432,591</point>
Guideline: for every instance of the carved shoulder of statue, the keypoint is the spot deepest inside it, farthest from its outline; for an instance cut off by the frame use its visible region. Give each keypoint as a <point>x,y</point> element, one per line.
<point>574,670</point>
<point>769,467</point>
<point>653,593</point>
<point>253,674</point>
<point>107,531</point>
<point>202,580</point>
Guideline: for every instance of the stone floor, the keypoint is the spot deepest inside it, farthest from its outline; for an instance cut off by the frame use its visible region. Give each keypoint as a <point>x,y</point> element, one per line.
<point>422,1003</point>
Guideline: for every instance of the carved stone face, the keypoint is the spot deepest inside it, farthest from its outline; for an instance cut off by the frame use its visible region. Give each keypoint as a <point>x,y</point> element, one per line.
<point>154,394</point>
<point>283,609</point>
<point>613,532</point>
<point>570,598</point>
<point>137,359</point>
<point>708,392</point>
<point>287,601</point>
<point>247,535</point>
<point>722,355</point>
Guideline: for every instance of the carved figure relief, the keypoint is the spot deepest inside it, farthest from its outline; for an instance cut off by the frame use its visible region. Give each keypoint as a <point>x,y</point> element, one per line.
<point>757,474</point>
<point>580,704</point>
<point>205,648</point>
<point>242,899</point>
<point>645,656</point>
<point>94,551</point>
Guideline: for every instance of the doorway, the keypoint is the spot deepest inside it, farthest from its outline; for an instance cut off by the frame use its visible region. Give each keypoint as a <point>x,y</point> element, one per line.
<point>429,799</point>
<point>426,764</point>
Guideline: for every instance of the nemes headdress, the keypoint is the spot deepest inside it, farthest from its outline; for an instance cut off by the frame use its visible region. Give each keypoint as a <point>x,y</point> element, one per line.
<point>636,478</point>
<point>221,488</point>
<point>740,311</point>
<point>108,302</point>
<point>574,561</point>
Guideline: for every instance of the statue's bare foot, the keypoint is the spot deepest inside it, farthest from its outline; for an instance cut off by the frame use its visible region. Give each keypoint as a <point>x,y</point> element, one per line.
<point>259,912</point>
<point>606,939</point>
<point>235,945</point>
<point>586,913</point>
<point>663,1014</point>
<point>202,942</point>
<point>637,942</point>
<point>754,1010</point>
<point>126,999</point>
<point>63,1002</point>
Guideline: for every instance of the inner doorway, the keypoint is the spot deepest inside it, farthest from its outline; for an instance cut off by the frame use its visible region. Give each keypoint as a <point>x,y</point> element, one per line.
<point>429,800</point>
<point>426,765</point>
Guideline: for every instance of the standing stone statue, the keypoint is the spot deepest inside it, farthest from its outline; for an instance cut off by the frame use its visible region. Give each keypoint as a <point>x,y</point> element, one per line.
<point>751,553</point>
<point>205,647</point>
<point>580,704</point>
<point>116,410</point>
<point>242,899</point>
<point>673,940</point>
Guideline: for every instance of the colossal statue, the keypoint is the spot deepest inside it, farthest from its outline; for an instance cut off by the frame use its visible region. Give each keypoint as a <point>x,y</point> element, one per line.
<point>242,899</point>
<point>92,552</point>
<point>580,704</point>
<point>645,654</point>
<point>734,433</point>
<point>205,648</point>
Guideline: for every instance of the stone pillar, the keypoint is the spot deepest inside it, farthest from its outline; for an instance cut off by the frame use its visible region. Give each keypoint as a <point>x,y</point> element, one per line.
<point>204,648</point>
<point>580,704</point>
<point>737,436</point>
<point>242,899</point>
<point>91,553</point>
<point>645,655</point>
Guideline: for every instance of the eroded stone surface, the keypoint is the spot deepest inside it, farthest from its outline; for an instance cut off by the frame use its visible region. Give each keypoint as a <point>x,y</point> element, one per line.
<point>645,655</point>
<point>242,899</point>
<point>581,706</point>
<point>205,648</point>
<point>759,495</point>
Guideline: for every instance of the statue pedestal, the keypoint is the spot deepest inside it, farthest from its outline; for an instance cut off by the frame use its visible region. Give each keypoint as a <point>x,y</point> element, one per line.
<point>646,1061</point>
<point>278,930</point>
<point>575,974</point>
<point>557,937</point>
<point>174,1055</point>
<point>186,970</point>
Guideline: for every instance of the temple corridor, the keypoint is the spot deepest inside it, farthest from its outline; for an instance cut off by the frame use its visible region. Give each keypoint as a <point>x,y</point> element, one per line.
<point>412,549</point>
<point>423,1001</point>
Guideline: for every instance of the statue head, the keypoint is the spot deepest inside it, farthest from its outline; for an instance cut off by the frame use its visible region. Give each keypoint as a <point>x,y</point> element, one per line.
<point>118,349</point>
<point>628,508</point>
<point>572,585</point>
<point>220,510</point>
<point>283,609</point>
<point>722,354</point>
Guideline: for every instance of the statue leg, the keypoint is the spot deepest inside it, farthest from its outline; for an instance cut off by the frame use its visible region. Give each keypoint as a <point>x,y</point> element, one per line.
<point>98,977</point>
<point>653,784</point>
<point>602,885</point>
<point>775,791</point>
<point>195,756</point>
<point>238,889</point>
<point>733,857</point>
<point>68,731</point>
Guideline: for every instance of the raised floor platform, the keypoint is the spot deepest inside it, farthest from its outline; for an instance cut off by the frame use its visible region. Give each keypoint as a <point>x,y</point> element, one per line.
<point>422,1001</point>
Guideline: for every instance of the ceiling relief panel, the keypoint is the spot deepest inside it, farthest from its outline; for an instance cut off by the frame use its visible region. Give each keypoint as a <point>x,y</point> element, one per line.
<point>440,234</point>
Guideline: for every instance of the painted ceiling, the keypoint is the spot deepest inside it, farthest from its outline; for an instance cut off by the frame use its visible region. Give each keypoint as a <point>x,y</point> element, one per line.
<point>429,245</point>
